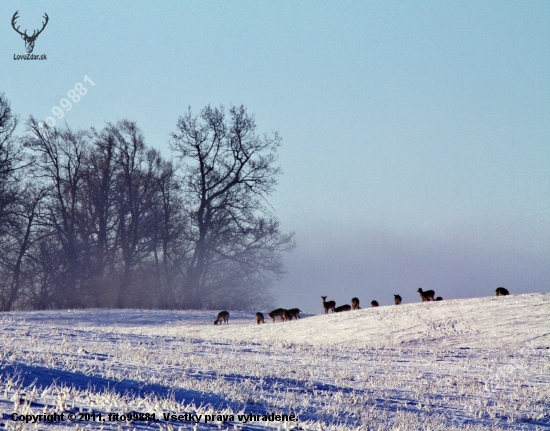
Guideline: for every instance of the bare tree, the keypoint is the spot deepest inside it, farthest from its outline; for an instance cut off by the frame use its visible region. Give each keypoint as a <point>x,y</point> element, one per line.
<point>10,162</point>
<point>60,166</point>
<point>24,234</point>
<point>135,195</point>
<point>100,217</point>
<point>171,246</point>
<point>17,208</point>
<point>228,172</point>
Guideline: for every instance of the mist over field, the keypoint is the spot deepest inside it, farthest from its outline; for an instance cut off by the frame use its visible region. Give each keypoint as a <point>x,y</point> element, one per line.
<point>376,265</point>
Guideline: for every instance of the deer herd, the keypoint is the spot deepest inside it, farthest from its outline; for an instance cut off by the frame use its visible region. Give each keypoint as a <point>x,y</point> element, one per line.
<point>287,315</point>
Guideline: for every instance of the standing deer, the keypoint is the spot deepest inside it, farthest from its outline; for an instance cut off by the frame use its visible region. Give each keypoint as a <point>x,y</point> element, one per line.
<point>29,40</point>
<point>396,299</point>
<point>374,303</point>
<point>501,291</point>
<point>428,295</point>
<point>355,304</point>
<point>280,312</point>
<point>259,318</point>
<point>223,316</point>
<point>328,305</point>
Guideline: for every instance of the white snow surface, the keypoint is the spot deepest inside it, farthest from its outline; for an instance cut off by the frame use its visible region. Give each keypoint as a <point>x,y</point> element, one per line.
<point>481,363</point>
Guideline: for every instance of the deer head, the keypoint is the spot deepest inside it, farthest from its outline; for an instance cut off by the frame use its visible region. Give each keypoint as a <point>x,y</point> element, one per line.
<point>29,40</point>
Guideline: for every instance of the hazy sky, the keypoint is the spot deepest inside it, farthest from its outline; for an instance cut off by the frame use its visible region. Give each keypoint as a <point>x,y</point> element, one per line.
<point>416,135</point>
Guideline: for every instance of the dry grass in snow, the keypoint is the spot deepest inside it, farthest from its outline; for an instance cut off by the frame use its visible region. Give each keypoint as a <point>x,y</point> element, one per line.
<point>480,363</point>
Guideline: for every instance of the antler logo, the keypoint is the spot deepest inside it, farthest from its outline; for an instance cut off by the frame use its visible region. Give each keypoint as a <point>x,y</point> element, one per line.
<point>29,40</point>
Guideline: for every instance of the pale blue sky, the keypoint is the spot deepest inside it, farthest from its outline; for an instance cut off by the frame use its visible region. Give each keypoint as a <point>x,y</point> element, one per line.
<point>416,135</point>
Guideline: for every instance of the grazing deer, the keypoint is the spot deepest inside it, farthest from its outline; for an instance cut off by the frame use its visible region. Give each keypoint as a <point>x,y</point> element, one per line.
<point>345,307</point>
<point>501,291</point>
<point>259,318</point>
<point>223,316</point>
<point>374,303</point>
<point>328,305</point>
<point>428,295</point>
<point>396,299</point>
<point>293,312</point>
<point>280,312</point>
<point>355,304</point>
<point>439,298</point>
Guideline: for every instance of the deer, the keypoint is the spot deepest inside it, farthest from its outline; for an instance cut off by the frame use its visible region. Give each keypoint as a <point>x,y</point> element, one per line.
<point>29,40</point>
<point>501,291</point>
<point>439,298</point>
<point>374,303</point>
<point>345,307</point>
<point>293,312</point>
<point>428,295</point>
<point>280,312</point>
<point>355,304</point>
<point>328,305</point>
<point>259,318</point>
<point>396,299</point>
<point>223,316</point>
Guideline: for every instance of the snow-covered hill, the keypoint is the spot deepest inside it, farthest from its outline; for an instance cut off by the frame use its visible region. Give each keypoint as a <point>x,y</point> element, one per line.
<point>479,322</point>
<point>469,362</point>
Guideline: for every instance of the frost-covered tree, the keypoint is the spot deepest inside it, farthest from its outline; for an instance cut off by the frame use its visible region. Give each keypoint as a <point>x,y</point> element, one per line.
<point>228,172</point>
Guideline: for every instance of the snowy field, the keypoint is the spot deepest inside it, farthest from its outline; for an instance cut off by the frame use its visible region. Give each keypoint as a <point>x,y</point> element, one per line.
<point>480,363</point>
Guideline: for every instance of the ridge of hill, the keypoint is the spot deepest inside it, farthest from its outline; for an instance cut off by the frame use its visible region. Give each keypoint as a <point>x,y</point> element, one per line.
<point>474,322</point>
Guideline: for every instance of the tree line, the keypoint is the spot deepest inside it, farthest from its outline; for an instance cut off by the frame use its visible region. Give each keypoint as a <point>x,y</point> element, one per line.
<point>96,218</point>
